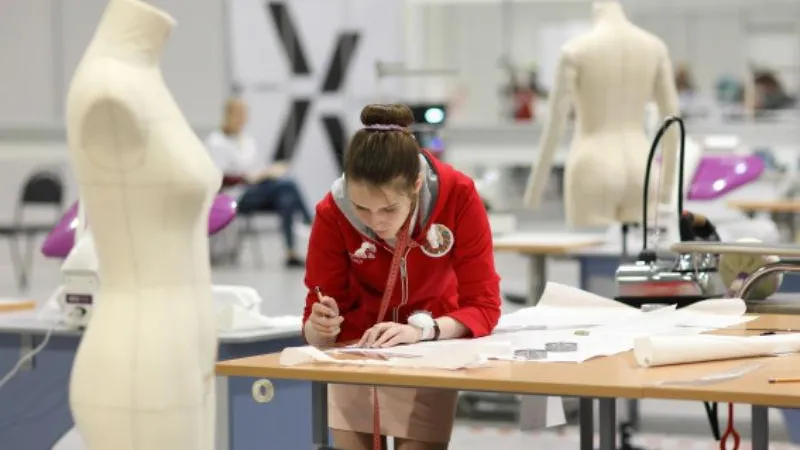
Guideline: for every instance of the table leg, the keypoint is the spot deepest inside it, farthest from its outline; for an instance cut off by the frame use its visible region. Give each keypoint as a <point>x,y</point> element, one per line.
<point>608,423</point>
<point>760,424</point>
<point>586,422</point>
<point>319,411</point>
<point>17,263</point>
<point>633,413</point>
<point>537,277</point>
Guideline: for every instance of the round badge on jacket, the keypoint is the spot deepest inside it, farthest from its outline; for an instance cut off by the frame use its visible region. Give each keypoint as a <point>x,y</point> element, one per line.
<point>439,241</point>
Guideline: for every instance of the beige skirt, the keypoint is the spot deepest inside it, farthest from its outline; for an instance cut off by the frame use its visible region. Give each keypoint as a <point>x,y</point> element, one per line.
<point>419,414</point>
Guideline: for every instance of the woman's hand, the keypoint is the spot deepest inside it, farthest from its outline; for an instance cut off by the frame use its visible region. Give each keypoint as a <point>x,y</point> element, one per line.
<point>324,322</point>
<point>274,171</point>
<point>389,334</point>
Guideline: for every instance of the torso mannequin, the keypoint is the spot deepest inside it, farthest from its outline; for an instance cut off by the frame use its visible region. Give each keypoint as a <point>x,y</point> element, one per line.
<point>143,377</point>
<point>611,73</point>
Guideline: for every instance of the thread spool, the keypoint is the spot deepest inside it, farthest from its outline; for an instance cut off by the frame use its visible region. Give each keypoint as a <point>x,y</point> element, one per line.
<point>734,268</point>
<point>263,391</point>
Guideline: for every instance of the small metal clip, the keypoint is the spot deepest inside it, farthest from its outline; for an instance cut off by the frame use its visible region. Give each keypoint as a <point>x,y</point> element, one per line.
<point>561,347</point>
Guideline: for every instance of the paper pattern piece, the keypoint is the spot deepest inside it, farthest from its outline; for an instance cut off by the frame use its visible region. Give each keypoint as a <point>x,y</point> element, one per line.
<point>605,327</point>
<point>665,350</point>
<point>462,359</point>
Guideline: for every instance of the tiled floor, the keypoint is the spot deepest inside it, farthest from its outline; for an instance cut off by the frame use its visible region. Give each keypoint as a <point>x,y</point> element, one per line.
<point>470,437</point>
<point>667,425</point>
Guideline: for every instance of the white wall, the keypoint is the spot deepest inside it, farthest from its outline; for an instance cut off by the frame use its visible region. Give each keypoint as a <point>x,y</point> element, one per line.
<point>43,41</point>
<point>262,69</point>
<point>715,37</point>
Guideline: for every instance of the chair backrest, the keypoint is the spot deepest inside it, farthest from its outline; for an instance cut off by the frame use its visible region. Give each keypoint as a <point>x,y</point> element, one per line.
<point>43,188</point>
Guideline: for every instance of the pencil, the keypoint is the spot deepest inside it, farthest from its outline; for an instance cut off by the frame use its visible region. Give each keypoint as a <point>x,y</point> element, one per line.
<point>319,297</point>
<point>785,380</point>
<point>776,330</point>
<point>319,292</point>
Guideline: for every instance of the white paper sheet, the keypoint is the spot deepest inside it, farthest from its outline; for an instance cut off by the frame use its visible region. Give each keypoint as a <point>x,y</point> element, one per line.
<point>665,350</point>
<point>607,328</point>
<point>465,357</point>
<point>564,306</point>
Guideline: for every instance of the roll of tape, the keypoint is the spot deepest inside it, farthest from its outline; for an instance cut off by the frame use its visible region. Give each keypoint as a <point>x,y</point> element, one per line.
<point>263,391</point>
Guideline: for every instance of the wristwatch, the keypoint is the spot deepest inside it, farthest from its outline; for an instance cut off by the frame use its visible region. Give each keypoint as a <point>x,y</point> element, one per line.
<point>424,321</point>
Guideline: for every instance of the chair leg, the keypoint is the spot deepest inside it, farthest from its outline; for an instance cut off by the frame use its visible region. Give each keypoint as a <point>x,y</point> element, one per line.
<point>258,255</point>
<point>16,263</point>
<point>27,263</point>
<point>255,244</point>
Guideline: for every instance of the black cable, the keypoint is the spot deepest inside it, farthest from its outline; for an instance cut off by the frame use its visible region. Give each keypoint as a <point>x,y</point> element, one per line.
<point>650,157</point>
<point>713,419</point>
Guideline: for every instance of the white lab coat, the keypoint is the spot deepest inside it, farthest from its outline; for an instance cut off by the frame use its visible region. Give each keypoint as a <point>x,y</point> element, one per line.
<point>239,156</point>
<point>235,155</point>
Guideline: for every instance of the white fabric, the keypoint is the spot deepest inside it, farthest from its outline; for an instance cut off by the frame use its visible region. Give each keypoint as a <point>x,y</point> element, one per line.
<point>72,440</point>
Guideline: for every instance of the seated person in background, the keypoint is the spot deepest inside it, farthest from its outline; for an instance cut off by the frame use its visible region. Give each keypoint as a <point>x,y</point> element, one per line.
<point>266,187</point>
<point>770,95</point>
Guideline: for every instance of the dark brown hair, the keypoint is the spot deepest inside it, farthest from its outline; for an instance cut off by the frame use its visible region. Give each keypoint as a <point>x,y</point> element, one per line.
<point>768,80</point>
<point>384,152</point>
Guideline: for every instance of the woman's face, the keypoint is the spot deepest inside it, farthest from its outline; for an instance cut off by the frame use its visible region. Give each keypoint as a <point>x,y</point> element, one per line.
<point>383,210</point>
<point>236,117</point>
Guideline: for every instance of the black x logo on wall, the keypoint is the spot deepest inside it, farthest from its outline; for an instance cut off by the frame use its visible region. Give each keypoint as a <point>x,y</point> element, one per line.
<point>339,64</point>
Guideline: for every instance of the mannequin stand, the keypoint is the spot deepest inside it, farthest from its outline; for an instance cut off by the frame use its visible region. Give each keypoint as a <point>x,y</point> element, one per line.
<point>537,277</point>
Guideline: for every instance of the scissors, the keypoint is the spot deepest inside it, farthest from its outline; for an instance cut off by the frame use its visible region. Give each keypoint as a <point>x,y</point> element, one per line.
<point>730,431</point>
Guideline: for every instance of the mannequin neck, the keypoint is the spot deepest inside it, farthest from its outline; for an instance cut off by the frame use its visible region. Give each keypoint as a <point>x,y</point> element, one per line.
<point>132,31</point>
<point>605,10</point>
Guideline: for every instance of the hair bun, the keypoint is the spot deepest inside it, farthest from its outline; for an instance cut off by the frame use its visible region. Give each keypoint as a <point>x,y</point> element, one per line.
<point>377,114</point>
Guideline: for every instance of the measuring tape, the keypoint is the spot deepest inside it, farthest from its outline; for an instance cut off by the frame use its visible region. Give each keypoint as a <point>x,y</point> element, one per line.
<point>404,242</point>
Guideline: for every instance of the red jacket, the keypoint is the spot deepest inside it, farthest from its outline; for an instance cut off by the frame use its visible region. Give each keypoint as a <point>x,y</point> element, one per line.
<point>453,277</point>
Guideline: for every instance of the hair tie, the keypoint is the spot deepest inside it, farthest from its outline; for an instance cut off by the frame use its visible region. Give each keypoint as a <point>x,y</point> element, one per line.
<point>385,127</point>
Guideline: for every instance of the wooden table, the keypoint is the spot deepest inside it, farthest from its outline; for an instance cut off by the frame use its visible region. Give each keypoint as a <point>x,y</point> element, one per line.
<point>537,247</point>
<point>768,206</point>
<point>782,211</point>
<point>15,305</point>
<point>605,379</point>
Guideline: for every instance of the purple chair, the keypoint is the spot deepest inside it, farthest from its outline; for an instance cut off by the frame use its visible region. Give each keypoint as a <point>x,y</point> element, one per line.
<point>59,242</point>
<point>717,175</point>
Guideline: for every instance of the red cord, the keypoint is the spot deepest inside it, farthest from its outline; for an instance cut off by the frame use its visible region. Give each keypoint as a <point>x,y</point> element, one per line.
<point>730,431</point>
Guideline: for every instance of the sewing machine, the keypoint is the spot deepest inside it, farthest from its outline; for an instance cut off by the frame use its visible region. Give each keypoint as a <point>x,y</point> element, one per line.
<point>237,307</point>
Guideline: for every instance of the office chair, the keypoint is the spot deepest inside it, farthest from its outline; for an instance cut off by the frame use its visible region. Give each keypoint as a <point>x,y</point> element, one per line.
<point>43,188</point>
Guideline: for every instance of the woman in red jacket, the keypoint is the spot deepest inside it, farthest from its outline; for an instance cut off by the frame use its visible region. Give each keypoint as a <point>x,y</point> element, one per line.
<point>397,218</point>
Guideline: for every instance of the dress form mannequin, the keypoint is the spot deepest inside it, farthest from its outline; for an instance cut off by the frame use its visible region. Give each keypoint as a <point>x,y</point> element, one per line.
<point>143,377</point>
<point>611,73</point>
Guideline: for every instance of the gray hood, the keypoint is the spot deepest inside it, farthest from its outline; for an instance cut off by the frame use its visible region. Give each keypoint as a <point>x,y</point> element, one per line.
<point>429,193</point>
